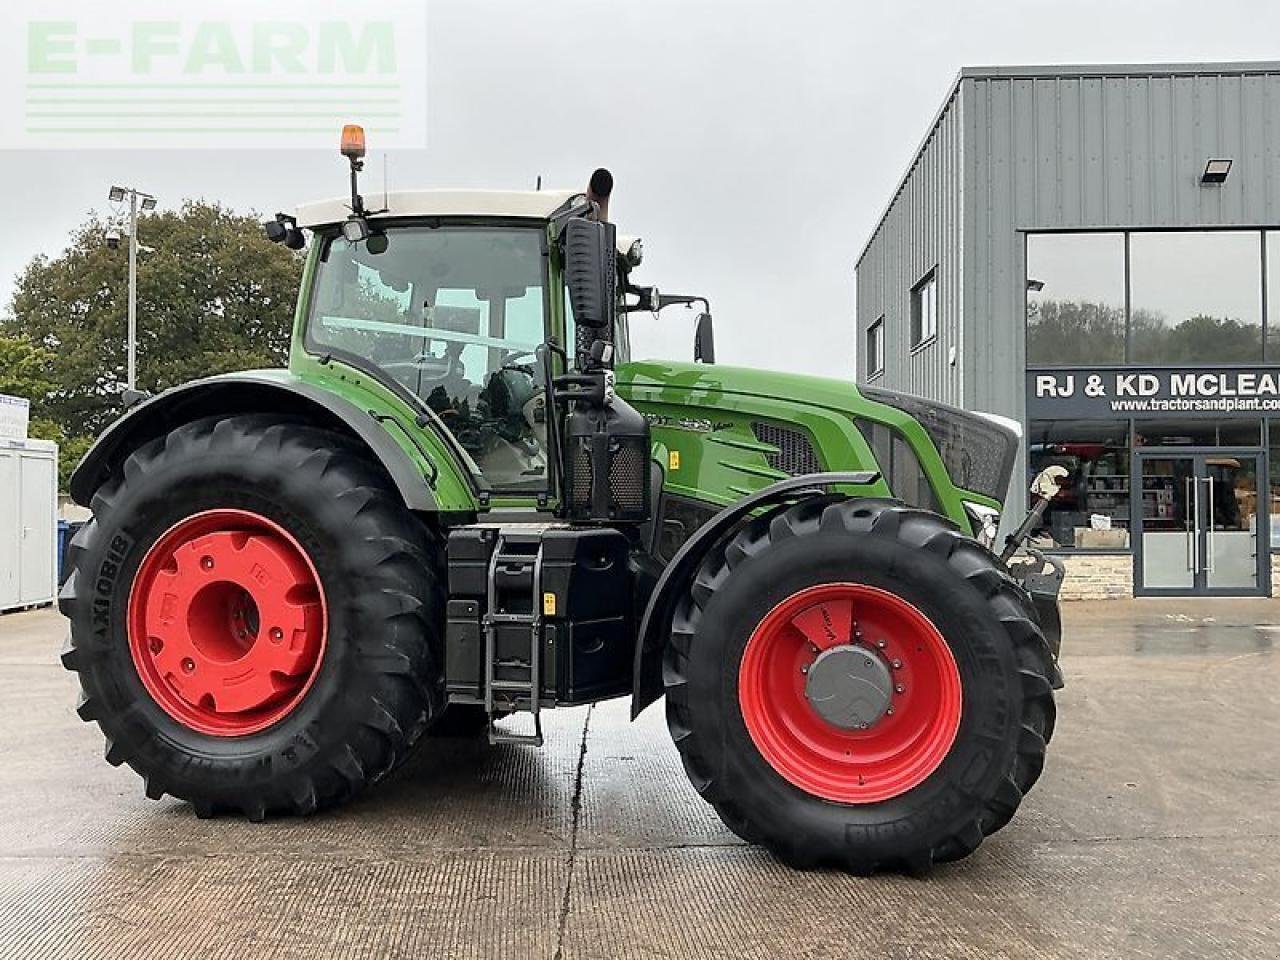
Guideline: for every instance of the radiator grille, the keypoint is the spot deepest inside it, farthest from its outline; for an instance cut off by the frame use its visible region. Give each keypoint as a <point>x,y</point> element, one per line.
<point>795,457</point>
<point>977,453</point>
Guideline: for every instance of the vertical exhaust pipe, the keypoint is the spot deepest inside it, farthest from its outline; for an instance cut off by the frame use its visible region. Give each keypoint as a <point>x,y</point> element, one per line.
<point>599,187</point>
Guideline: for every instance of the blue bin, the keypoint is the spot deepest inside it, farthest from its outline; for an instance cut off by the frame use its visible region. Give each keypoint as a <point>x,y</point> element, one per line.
<point>67,529</point>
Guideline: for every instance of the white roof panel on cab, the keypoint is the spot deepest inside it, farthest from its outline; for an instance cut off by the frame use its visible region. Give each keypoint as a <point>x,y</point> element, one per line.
<point>515,204</point>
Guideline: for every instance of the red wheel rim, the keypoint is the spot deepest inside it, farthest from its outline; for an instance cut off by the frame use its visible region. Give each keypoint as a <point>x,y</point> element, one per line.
<point>227,622</point>
<point>891,755</point>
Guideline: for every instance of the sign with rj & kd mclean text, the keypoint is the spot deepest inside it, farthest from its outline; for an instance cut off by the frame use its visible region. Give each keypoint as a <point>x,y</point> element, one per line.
<point>1081,393</point>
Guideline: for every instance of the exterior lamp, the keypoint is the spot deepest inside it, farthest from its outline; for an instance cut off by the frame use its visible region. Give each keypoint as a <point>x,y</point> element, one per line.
<point>1035,286</point>
<point>136,198</point>
<point>1215,171</point>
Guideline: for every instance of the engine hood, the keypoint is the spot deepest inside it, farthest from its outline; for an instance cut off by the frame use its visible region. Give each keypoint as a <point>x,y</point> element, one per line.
<point>977,450</point>
<point>709,381</point>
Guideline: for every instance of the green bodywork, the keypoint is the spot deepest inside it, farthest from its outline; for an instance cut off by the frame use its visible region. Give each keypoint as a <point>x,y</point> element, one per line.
<point>704,414</point>
<point>700,417</point>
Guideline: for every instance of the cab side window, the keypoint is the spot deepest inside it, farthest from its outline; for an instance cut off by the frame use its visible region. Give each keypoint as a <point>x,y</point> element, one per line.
<point>453,315</point>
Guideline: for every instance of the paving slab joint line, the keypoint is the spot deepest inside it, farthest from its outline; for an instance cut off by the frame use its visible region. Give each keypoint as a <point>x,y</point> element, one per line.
<point>563,924</point>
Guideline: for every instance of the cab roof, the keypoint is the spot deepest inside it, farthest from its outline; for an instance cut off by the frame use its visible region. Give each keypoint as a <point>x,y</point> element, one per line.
<point>513,204</point>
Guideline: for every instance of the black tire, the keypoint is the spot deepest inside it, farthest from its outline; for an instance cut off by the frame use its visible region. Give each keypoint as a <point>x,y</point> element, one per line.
<point>1002,659</point>
<point>378,681</point>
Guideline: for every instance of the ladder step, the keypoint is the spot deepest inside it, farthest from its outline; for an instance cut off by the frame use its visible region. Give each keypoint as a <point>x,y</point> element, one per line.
<point>512,686</point>
<point>531,739</point>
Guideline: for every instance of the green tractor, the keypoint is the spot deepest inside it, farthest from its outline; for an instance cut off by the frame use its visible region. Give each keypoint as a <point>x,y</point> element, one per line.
<point>465,501</point>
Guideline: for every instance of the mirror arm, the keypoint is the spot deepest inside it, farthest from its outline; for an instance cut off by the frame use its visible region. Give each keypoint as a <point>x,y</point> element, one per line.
<point>671,299</point>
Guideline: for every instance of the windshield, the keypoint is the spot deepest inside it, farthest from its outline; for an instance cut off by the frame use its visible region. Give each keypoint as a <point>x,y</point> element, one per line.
<point>454,315</point>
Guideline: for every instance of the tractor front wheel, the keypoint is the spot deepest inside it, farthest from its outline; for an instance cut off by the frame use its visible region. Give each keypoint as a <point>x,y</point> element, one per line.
<point>854,683</point>
<point>255,618</point>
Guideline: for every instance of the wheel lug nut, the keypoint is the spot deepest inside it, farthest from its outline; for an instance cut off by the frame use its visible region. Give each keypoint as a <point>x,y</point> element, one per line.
<point>889,711</point>
<point>881,644</point>
<point>188,665</point>
<point>897,664</point>
<point>206,563</point>
<point>154,645</point>
<point>900,688</point>
<point>276,634</point>
<point>804,669</point>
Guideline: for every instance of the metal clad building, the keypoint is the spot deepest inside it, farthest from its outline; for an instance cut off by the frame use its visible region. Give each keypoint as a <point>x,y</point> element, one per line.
<point>950,284</point>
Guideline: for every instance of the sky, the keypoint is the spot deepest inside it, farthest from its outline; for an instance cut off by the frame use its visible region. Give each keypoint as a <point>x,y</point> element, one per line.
<point>754,143</point>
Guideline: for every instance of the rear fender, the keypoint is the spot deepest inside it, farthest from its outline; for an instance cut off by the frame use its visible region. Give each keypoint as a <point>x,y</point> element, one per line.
<point>655,626</point>
<point>242,393</point>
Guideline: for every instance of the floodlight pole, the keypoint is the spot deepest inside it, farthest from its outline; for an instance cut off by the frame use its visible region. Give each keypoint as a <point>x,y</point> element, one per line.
<point>133,291</point>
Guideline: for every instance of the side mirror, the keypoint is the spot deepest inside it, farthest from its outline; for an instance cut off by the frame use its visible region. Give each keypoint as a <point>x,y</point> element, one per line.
<point>589,272</point>
<point>704,339</point>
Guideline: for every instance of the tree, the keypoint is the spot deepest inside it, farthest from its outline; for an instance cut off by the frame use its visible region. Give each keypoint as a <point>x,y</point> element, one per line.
<point>1074,332</point>
<point>1197,339</point>
<point>25,369</point>
<point>215,295</point>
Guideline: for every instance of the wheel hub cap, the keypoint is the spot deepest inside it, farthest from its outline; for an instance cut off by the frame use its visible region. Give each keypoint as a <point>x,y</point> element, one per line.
<point>849,687</point>
<point>226,622</point>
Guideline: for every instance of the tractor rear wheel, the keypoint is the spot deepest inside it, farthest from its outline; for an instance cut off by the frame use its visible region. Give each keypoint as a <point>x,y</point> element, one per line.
<point>255,618</point>
<point>854,683</point>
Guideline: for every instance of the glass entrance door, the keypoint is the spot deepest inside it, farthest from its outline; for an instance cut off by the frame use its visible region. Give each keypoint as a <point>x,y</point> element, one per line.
<point>1198,523</point>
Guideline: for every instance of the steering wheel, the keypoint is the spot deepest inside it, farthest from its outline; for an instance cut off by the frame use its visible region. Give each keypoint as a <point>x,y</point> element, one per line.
<point>508,361</point>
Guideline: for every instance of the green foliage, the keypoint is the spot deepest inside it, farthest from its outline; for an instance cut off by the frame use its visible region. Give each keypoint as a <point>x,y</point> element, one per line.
<point>214,296</point>
<point>1080,333</point>
<point>25,369</point>
<point>1074,332</point>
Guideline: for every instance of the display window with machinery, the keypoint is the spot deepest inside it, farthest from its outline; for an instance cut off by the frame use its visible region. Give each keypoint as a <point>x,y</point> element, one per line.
<point>1152,379</point>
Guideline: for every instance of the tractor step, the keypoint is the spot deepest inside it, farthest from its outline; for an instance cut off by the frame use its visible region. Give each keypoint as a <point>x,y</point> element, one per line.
<point>516,563</point>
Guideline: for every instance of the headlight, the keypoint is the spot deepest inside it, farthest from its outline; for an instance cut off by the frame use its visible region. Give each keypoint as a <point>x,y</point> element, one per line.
<point>986,522</point>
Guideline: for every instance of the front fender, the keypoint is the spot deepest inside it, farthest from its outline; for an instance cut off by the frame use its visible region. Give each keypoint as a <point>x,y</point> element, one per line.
<point>655,626</point>
<point>239,393</point>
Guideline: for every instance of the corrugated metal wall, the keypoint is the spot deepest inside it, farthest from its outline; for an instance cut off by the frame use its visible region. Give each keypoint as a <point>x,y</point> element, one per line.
<point>1081,152</point>
<point>921,230</point>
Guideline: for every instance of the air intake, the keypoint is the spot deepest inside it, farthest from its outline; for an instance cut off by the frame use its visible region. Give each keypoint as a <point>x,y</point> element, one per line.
<point>795,457</point>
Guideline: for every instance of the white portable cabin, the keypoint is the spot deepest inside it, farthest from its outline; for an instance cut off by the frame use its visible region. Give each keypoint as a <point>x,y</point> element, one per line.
<point>28,523</point>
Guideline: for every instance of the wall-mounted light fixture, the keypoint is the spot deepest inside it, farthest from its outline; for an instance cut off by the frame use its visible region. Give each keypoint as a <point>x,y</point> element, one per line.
<point>1216,170</point>
<point>1035,286</point>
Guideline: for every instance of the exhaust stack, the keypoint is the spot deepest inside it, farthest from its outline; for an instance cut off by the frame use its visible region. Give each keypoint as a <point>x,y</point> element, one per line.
<point>599,187</point>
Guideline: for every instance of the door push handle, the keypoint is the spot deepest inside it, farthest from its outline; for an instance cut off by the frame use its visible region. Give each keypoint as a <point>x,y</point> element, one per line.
<point>1195,525</point>
<point>1209,546</point>
<point>1191,523</point>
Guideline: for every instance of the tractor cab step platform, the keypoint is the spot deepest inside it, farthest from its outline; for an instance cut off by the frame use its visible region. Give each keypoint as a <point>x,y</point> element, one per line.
<point>539,615</point>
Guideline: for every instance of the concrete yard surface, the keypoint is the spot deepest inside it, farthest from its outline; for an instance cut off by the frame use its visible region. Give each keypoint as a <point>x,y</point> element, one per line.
<point>1154,833</point>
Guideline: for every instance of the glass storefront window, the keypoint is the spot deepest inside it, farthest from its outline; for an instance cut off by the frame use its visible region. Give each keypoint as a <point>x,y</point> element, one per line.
<point>1273,295</point>
<point>1197,433</point>
<point>1092,511</point>
<point>1196,296</point>
<point>1075,298</point>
